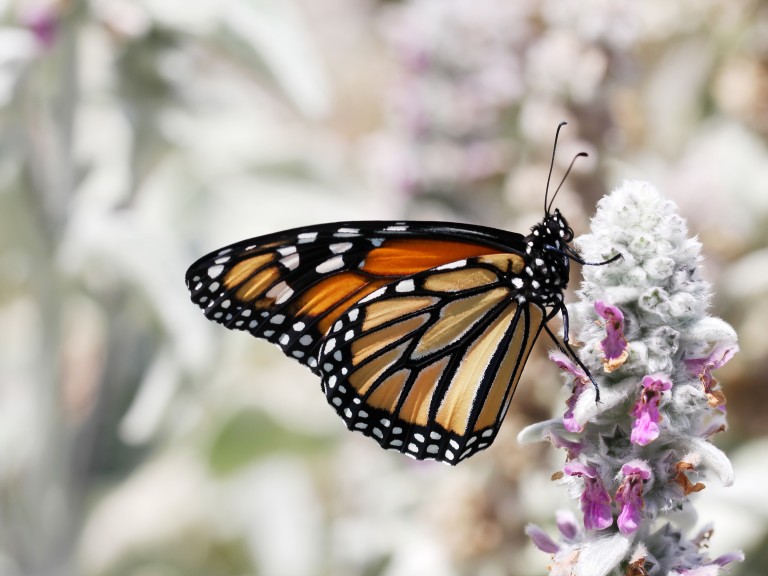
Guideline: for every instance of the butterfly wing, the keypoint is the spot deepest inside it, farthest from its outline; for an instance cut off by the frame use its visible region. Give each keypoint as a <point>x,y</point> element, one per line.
<point>427,365</point>
<point>291,287</point>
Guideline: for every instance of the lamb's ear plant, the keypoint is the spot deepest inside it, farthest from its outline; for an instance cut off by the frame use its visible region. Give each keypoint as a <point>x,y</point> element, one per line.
<point>634,458</point>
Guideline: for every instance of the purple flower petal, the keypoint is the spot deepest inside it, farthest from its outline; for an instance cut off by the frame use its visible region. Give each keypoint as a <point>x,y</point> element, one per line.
<point>645,428</point>
<point>572,447</point>
<point>595,500</point>
<point>702,367</point>
<point>43,22</point>
<point>580,382</point>
<point>566,523</point>
<point>729,557</point>
<point>541,539</point>
<point>614,345</point>
<point>567,364</point>
<point>630,495</point>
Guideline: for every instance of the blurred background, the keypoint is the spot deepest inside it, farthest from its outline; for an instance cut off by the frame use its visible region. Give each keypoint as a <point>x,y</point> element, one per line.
<point>139,439</point>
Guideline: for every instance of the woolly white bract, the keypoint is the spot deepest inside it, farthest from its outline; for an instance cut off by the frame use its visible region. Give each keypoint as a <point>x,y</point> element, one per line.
<point>634,458</point>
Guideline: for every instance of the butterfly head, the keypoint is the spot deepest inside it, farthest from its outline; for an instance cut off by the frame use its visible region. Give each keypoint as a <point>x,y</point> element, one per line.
<point>552,232</point>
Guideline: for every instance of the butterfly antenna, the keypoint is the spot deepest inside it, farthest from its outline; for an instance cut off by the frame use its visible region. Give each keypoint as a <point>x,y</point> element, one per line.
<point>552,165</point>
<point>579,155</point>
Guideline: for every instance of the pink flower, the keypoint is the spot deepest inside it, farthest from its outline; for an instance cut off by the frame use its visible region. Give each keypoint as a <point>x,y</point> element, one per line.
<point>714,566</point>
<point>729,557</point>
<point>573,448</point>
<point>702,367</point>
<point>645,428</point>
<point>614,345</point>
<point>580,383</point>
<point>541,539</point>
<point>630,495</point>
<point>43,22</point>
<point>566,523</point>
<point>595,500</point>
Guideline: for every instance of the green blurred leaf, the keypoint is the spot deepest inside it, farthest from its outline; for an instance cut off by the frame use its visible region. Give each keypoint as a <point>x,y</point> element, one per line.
<point>252,435</point>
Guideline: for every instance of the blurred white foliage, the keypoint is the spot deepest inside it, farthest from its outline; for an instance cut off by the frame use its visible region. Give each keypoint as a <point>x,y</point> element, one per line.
<point>17,48</point>
<point>236,105</point>
<point>172,495</point>
<point>278,33</point>
<point>278,509</point>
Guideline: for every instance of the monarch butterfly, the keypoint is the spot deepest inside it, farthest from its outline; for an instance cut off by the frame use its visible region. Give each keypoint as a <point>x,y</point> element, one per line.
<point>419,331</point>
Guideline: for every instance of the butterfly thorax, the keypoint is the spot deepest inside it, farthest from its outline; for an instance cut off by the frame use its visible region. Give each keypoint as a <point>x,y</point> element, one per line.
<point>547,264</point>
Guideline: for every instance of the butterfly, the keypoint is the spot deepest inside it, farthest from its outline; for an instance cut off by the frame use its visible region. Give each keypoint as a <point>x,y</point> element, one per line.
<point>419,331</point>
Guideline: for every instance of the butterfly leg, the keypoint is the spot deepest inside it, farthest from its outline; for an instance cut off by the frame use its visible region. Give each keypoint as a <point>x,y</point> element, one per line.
<point>573,255</point>
<point>566,349</point>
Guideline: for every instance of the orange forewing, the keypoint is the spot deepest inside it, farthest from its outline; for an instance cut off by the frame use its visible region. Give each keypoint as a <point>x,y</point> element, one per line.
<point>401,257</point>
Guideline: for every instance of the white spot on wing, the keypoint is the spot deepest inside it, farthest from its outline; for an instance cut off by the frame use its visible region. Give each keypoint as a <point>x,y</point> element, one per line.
<point>280,292</point>
<point>305,237</point>
<point>330,265</point>
<point>375,294</point>
<point>396,228</point>
<point>291,261</point>
<point>452,265</point>
<point>287,250</point>
<point>405,286</point>
<point>341,247</point>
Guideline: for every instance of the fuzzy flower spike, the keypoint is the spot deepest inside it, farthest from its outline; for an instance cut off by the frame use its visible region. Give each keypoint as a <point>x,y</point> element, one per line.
<point>633,459</point>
